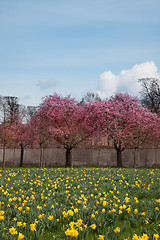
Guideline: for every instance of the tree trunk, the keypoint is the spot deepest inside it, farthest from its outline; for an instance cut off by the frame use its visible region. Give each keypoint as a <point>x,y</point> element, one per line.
<point>4,151</point>
<point>14,157</point>
<point>119,150</point>
<point>43,163</point>
<point>69,162</point>
<point>41,157</point>
<point>135,157</point>
<point>119,158</point>
<point>21,157</point>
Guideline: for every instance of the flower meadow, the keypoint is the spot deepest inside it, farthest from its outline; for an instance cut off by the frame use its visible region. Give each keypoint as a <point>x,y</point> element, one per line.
<point>80,203</point>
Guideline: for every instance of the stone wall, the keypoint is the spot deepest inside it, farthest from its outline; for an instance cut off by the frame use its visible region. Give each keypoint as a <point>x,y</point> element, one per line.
<point>84,157</point>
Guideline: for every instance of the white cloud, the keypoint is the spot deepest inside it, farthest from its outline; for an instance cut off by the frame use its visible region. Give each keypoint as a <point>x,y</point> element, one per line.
<point>108,84</point>
<point>46,83</point>
<point>126,80</point>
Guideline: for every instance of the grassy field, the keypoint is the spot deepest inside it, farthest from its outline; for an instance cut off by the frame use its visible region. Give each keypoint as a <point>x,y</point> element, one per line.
<point>80,203</point>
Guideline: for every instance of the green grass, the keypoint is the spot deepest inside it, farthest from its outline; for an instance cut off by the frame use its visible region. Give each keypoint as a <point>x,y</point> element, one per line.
<point>54,199</point>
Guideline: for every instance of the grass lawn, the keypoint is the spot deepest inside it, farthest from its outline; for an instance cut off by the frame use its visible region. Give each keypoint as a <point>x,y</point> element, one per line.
<point>79,203</point>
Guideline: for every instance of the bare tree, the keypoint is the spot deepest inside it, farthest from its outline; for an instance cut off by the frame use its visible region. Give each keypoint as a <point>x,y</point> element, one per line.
<point>11,108</point>
<point>91,96</point>
<point>31,110</point>
<point>150,94</point>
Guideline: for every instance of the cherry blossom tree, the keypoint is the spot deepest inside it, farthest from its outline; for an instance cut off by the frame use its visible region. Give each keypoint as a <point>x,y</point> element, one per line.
<point>125,114</point>
<point>5,139</point>
<point>69,122</point>
<point>22,137</point>
<point>20,131</point>
<point>39,129</point>
<point>8,113</point>
<point>145,129</point>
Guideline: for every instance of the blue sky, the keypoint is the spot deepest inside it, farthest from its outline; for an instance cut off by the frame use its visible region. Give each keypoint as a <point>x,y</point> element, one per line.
<point>71,47</point>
